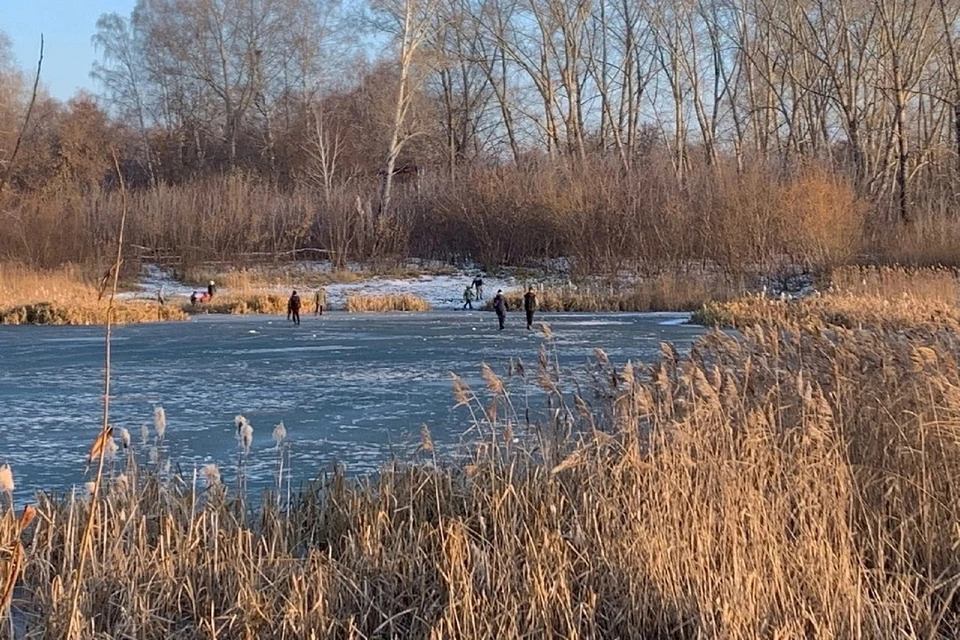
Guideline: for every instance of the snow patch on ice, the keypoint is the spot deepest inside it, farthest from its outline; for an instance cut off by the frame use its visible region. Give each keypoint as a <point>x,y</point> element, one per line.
<point>674,322</point>
<point>442,292</point>
<point>153,281</point>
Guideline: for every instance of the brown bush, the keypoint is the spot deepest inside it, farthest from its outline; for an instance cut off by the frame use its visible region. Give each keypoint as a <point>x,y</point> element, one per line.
<point>824,215</point>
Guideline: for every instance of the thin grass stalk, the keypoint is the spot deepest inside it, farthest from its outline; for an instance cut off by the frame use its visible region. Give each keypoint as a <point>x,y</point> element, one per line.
<point>74,628</point>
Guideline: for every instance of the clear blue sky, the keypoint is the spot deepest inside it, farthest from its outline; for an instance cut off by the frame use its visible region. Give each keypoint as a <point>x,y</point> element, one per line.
<point>67,26</point>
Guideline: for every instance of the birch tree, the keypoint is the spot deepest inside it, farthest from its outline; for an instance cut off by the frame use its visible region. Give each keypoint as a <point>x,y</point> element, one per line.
<point>412,24</point>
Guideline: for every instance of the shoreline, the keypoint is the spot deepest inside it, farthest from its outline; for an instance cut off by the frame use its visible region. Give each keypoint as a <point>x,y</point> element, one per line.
<point>240,293</point>
<point>677,317</point>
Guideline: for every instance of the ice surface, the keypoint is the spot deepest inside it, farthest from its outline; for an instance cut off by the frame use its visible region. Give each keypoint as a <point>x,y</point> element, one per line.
<point>350,388</point>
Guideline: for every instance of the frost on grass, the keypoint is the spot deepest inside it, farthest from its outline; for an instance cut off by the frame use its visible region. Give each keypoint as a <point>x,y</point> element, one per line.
<point>244,433</point>
<point>211,474</point>
<point>279,433</point>
<point>6,479</point>
<point>159,422</point>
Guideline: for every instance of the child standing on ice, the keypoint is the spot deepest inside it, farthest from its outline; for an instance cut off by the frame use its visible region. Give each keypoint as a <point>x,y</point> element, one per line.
<point>500,306</point>
<point>320,300</point>
<point>478,285</point>
<point>468,297</point>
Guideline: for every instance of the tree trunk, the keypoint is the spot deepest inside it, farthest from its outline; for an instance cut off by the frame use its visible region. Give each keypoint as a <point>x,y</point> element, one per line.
<point>956,126</point>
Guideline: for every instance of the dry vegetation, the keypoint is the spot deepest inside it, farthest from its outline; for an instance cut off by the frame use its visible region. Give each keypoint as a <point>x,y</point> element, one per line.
<point>788,485</point>
<point>87,314</point>
<point>384,303</point>
<point>240,304</point>
<point>253,279</point>
<point>923,284</point>
<point>67,296</point>
<point>858,297</point>
<point>669,292</point>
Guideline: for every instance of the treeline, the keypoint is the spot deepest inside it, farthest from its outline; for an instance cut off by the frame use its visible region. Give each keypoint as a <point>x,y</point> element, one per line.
<point>609,132</point>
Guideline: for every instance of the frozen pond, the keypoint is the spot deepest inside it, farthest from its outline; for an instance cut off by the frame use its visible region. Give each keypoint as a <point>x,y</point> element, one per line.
<point>349,388</point>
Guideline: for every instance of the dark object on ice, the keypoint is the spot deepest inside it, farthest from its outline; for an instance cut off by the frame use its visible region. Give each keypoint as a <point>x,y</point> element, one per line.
<point>530,306</point>
<point>500,306</point>
<point>293,308</point>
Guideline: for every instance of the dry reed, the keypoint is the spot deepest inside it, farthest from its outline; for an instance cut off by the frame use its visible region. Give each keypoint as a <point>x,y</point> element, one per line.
<point>65,296</point>
<point>859,297</point>
<point>250,280</point>
<point>936,283</point>
<point>238,304</point>
<point>384,303</point>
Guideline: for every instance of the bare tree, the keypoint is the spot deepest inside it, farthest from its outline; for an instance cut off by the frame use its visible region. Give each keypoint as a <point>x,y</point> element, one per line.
<point>325,148</point>
<point>949,21</point>
<point>121,76</point>
<point>412,22</point>
<point>908,45</point>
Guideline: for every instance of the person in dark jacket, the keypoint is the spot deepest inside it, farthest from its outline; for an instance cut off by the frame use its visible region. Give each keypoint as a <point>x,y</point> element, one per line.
<point>478,285</point>
<point>193,299</point>
<point>530,306</point>
<point>500,306</point>
<point>293,308</point>
<point>210,289</point>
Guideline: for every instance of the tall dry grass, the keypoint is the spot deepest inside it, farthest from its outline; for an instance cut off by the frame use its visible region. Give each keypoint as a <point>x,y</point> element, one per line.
<point>358,303</point>
<point>892,298</point>
<point>67,296</point>
<point>930,283</point>
<point>240,304</point>
<point>595,214</point>
<point>779,484</point>
<point>254,279</point>
<point>20,285</point>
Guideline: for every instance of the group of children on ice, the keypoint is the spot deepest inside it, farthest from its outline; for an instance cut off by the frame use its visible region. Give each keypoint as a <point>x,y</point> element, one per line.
<point>473,291</point>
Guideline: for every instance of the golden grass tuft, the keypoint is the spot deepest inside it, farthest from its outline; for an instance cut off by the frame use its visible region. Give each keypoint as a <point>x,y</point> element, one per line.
<point>247,280</point>
<point>840,310</point>
<point>385,303</point>
<point>67,285</point>
<point>89,313</point>
<point>65,296</point>
<point>239,304</point>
